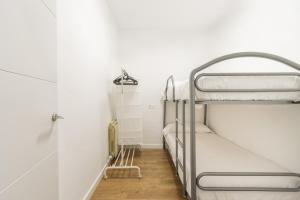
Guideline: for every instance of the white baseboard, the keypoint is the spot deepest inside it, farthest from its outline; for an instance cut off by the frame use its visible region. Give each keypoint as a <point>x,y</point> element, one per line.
<point>94,185</point>
<point>152,146</point>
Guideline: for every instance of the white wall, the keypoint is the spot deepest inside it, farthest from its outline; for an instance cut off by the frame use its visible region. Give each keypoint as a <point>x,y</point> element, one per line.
<point>269,26</point>
<point>87,57</point>
<point>28,138</point>
<point>151,56</point>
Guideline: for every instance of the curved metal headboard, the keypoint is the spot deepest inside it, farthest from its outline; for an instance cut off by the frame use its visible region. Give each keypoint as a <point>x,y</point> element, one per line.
<point>192,83</point>
<point>268,56</point>
<point>171,78</point>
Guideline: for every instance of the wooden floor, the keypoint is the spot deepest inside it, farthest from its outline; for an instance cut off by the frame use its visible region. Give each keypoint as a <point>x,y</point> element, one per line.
<point>158,183</point>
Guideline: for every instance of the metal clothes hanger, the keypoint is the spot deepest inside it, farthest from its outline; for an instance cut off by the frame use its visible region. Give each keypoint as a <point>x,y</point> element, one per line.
<point>125,79</point>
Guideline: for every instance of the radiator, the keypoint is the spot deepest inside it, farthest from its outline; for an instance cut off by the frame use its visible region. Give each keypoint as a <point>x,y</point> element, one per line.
<point>113,138</point>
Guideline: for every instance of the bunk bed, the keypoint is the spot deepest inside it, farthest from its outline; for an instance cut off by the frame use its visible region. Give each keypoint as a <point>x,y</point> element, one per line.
<point>205,164</point>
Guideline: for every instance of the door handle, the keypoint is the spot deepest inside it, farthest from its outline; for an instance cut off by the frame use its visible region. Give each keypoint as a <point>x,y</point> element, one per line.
<point>56,117</point>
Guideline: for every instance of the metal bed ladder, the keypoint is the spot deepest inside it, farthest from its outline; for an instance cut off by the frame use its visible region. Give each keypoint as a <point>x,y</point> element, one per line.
<point>178,163</point>
<point>182,145</point>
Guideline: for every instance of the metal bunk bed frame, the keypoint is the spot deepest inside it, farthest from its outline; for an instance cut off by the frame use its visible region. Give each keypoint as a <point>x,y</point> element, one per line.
<point>194,77</point>
<point>193,86</point>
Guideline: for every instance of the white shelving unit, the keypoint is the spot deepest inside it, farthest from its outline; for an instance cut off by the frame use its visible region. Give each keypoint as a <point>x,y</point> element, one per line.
<point>128,109</point>
<point>129,114</point>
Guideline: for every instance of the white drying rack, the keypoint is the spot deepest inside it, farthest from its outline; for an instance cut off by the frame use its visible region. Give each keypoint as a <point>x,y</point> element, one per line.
<point>129,117</point>
<point>121,162</point>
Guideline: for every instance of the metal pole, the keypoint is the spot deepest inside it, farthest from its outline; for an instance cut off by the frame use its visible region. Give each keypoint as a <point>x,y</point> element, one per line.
<point>193,136</point>
<point>176,161</point>
<point>205,114</point>
<point>184,150</point>
<point>164,122</point>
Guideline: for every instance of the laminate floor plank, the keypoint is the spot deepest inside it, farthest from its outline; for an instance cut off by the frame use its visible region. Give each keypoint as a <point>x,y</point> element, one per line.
<point>158,183</point>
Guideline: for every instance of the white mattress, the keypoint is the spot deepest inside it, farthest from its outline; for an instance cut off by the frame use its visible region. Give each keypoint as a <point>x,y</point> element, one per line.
<point>251,82</point>
<point>181,90</point>
<point>199,128</point>
<point>215,154</point>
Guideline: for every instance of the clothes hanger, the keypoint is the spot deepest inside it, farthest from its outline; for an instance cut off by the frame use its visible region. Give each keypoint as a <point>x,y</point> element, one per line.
<point>125,79</point>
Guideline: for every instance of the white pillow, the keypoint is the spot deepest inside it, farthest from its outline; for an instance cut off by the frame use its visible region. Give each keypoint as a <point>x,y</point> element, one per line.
<point>200,128</point>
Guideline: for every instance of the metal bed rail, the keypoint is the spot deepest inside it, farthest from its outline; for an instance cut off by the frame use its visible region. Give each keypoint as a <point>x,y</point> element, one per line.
<point>247,174</point>
<point>202,75</point>
<point>170,79</point>
<point>193,85</point>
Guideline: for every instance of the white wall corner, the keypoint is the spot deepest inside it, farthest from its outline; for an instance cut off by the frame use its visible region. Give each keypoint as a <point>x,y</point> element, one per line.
<point>96,182</point>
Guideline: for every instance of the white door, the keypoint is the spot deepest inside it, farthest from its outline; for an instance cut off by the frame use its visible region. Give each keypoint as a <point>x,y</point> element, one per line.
<point>28,98</point>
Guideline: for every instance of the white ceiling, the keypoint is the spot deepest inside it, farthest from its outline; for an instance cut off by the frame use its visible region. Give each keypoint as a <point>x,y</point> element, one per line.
<point>169,14</point>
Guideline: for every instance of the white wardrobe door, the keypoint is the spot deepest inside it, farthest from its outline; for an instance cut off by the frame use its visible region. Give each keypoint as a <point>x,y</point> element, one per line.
<point>27,132</point>
<point>28,91</point>
<point>28,38</point>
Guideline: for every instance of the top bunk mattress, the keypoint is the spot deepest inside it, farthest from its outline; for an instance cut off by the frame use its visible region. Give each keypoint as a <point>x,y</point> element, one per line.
<point>240,82</point>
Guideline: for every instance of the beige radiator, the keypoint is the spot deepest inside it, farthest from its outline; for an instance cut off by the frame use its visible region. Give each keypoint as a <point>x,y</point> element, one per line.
<point>120,161</point>
<point>113,138</point>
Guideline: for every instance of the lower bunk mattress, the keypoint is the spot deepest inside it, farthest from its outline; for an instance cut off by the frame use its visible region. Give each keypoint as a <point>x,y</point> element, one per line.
<point>216,154</point>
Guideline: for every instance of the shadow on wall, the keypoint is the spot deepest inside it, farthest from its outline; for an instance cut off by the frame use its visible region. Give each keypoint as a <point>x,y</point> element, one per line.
<point>110,95</point>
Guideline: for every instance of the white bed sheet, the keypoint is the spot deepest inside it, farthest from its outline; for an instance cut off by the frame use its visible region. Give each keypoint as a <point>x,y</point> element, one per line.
<point>252,82</point>
<point>181,90</point>
<point>215,154</point>
<point>199,128</point>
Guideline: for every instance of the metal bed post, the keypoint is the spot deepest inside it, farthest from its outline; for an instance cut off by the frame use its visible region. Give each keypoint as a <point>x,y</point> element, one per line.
<point>165,104</point>
<point>193,136</point>
<point>205,114</point>
<point>164,122</point>
<point>193,85</point>
<point>176,142</point>
<point>183,148</point>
